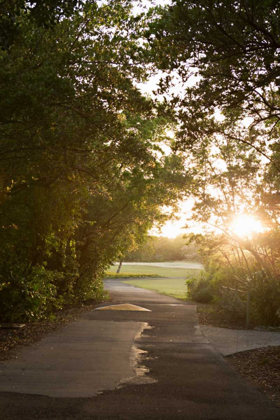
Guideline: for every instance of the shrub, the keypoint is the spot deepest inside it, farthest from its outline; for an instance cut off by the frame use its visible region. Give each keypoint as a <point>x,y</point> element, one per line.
<point>266,297</point>
<point>200,289</point>
<point>232,305</point>
<point>27,297</point>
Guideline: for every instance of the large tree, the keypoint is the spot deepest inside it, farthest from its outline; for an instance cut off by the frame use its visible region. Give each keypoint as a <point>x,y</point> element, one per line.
<point>82,173</point>
<point>225,57</point>
<point>233,50</point>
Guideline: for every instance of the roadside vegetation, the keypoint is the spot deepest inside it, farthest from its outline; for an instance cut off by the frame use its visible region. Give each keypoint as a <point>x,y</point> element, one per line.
<point>82,176</point>
<point>227,285</point>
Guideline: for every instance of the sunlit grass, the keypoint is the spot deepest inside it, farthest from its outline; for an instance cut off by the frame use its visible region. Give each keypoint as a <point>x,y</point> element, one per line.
<point>171,281</point>
<point>172,287</point>
<point>159,271</point>
<point>110,275</point>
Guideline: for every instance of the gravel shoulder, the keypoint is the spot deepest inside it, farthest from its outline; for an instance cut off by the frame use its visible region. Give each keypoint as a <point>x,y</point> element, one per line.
<point>261,368</point>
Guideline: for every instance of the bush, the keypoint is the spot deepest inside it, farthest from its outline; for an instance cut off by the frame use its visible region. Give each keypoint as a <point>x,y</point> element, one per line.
<point>266,297</point>
<point>42,292</point>
<point>29,297</point>
<point>232,305</point>
<point>200,289</point>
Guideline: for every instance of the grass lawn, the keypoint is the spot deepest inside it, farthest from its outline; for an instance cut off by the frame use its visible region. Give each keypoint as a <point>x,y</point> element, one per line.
<point>129,276</point>
<point>172,287</point>
<point>159,271</point>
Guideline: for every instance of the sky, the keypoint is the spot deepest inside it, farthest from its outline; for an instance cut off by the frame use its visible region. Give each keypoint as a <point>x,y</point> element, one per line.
<point>176,227</point>
<point>172,228</point>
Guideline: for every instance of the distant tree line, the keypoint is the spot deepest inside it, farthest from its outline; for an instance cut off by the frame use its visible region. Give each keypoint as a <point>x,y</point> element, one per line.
<point>160,248</point>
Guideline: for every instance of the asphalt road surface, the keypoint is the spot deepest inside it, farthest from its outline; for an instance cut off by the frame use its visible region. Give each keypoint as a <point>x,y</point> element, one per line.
<point>124,363</point>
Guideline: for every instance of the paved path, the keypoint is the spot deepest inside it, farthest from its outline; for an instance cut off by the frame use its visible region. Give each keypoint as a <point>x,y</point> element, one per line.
<point>228,341</point>
<point>151,364</point>
<point>79,361</point>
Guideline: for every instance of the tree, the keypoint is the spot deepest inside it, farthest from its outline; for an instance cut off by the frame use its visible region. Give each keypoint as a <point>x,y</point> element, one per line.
<point>45,14</point>
<point>226,57</point>
<point>232,49</point>
<point>82,173</point>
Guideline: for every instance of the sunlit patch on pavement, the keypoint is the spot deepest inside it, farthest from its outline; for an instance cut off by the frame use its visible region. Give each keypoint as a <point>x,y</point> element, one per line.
<point>123,307</point>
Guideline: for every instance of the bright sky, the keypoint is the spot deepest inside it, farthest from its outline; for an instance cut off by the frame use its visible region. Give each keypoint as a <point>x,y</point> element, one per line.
<point>172,228</point>
<point>175,228</point>
<point>244,223</point>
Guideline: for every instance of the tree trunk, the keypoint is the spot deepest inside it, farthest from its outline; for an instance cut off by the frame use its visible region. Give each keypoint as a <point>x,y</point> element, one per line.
<point>120,266</point>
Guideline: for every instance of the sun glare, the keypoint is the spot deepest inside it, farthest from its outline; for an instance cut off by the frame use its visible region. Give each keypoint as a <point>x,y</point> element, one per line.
<point>245,225</point>
<point>170,134</point>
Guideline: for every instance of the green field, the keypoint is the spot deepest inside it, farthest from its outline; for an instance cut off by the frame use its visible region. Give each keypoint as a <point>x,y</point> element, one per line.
<point>172,287</point>
<point>172,283</point>
<point>160,271</point>
<point>129,275</point>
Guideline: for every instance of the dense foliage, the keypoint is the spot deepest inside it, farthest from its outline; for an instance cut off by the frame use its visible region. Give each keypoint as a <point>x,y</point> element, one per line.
<point>82,175</point>
<point>225,57</point>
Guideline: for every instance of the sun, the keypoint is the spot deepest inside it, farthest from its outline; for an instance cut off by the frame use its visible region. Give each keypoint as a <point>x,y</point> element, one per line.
<point>245,226</point>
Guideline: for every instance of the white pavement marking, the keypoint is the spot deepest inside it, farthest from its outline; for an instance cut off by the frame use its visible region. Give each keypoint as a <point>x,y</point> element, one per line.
<point>122,307</point>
